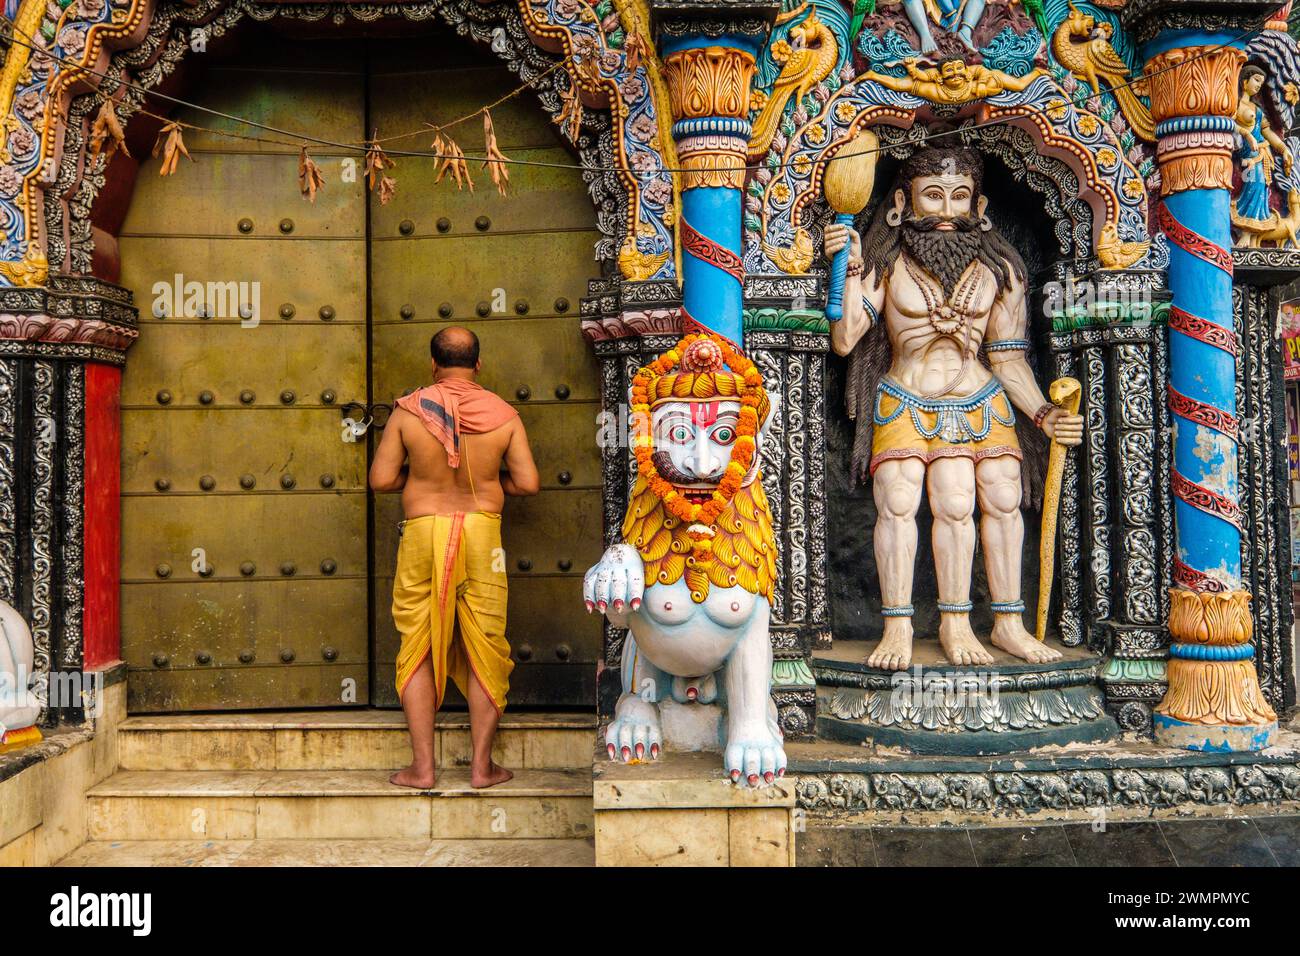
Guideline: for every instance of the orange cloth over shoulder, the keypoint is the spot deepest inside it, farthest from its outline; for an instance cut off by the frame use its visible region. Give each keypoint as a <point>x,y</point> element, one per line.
<point>455,406</point>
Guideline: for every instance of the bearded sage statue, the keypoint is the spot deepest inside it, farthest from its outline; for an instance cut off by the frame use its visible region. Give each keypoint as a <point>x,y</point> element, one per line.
<point>935,324</point>
<point>693,579</point>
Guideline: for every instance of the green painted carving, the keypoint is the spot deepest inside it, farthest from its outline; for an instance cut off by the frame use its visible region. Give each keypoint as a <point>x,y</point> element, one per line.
<point>793,673</point>
<point>1120,670</point>
<point>796,320</point>
<point>1102,314</point>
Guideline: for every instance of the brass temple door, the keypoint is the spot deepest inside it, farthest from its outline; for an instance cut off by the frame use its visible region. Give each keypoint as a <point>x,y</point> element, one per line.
<point>257,568</point>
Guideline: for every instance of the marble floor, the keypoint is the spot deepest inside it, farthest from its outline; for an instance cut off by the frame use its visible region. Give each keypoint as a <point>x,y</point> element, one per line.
<point>1244,841</point>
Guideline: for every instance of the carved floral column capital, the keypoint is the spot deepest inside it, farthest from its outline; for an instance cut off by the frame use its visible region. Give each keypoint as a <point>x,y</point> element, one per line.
<point>1193,98</point>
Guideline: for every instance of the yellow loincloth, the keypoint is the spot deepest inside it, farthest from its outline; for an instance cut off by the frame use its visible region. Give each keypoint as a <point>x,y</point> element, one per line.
<point>908,426</point>
<point>446,587</point>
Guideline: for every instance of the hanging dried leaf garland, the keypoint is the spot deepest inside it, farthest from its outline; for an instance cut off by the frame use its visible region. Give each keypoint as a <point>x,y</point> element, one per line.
<point>171,143</point>
<point>310,177</point>
<point>376,162</point>
<point>570,119</point>
<point>453,160</point>
<point>633,52</point>
<point>496,160</point>
<point>107,132</point>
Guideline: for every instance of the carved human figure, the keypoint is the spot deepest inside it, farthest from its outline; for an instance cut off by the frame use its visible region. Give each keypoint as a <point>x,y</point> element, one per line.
<point>953,81</point>
<point>959,16</point>
<point>1257,145</point>
<point>930,285</point>
<point>696,594</point>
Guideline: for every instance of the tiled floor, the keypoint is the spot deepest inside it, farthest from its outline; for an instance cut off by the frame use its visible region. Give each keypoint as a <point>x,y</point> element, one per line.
<point>1251,841</point>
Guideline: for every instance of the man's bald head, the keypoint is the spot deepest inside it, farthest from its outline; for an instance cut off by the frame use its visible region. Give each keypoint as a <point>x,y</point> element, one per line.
<point>454,347</point>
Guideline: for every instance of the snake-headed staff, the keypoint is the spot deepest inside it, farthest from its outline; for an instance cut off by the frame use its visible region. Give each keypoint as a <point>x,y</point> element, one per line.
<point>1065,393</point>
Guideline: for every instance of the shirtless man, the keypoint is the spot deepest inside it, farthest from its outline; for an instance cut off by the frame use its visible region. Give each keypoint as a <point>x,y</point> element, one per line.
<point>444,449</point>
<point>945,284</point>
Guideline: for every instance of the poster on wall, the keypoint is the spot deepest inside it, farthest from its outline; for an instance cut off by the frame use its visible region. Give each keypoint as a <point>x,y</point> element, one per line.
<point>1293,430</point>
<point>1289,327</point>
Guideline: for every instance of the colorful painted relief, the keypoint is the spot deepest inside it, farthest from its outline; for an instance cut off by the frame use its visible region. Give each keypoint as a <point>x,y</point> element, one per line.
<point>1079,106</point>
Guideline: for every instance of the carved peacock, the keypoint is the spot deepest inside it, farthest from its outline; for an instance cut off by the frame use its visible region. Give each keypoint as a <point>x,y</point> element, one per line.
<point>806,55</point>
<point>1082,46</point>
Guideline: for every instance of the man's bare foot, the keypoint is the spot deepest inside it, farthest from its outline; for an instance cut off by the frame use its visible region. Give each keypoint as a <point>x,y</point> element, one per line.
<point>494,776</point>
<point>960,645</point>
<point>415,777</point>
<point>1010,635</point>
<point>894,652</point>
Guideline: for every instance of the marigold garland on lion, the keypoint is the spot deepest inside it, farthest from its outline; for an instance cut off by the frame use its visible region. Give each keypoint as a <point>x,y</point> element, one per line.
<point>693,579</point>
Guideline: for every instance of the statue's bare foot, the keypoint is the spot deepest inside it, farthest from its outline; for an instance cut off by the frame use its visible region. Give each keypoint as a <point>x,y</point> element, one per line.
<point>1009,634</point>
<point>894,652</point>
<point>495,774</point>
<point>960,645</point>
<point>413,776</point>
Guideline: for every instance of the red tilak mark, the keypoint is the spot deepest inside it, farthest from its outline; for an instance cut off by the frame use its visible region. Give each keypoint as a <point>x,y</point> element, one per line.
<point>704,413</point>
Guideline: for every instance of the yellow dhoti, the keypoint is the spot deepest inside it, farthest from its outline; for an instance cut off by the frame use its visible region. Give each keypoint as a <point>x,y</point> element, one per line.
<point>982,425</point>
<point>446,586</point>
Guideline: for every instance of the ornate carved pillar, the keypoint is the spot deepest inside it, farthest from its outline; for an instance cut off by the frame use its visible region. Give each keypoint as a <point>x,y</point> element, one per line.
<point>61,348</point>
<point>1213,701</point>
<point>709,51</point>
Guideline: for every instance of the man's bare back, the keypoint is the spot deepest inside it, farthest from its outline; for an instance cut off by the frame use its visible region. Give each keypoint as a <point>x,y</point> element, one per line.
<point>434,487</point>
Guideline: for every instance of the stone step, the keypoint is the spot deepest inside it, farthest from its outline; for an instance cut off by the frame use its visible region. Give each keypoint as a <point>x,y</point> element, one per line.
<point>343,740</point>
<point>506,852</point>
<point>336,805</point>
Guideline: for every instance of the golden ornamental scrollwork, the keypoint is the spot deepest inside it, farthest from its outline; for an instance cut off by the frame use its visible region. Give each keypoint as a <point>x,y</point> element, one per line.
<point>709,81</point>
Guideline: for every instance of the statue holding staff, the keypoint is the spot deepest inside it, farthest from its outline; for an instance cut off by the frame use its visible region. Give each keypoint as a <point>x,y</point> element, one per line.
<point>930,286</point>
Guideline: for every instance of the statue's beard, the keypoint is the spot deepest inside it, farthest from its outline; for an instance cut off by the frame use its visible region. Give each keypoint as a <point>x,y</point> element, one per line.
<point>945,254</point>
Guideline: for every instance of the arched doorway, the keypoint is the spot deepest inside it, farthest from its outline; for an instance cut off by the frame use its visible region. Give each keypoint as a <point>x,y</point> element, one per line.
<point>256,566</point>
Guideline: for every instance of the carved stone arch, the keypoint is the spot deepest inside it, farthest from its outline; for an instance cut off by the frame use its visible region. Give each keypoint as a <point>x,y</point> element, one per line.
<point>46,218</point>
<point>1064,139</point>
<point>1047,176</point>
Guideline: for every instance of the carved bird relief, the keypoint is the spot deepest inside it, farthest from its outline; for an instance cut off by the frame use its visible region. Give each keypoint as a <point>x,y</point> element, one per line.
<point>1114,254</point>
<point>1082,46</point>
<point>807,55</point>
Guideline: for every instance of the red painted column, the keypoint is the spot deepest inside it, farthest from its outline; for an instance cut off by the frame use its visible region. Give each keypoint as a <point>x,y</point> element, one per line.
<point>101,621</point>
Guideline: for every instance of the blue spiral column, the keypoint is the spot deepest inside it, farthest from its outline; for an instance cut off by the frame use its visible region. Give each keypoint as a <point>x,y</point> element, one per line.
<point>709,80</point>
<point>1213,700</point>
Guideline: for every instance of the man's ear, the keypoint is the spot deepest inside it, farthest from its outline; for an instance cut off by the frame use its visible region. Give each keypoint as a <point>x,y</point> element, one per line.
<point>900,200</point>
<point>981,207</point>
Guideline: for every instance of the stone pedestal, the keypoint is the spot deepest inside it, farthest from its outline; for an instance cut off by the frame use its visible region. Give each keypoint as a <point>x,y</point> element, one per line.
<point>681,810</point>
<point>939,708</point>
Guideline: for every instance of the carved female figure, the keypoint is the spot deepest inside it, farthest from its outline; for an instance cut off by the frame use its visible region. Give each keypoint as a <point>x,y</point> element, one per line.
<point>1258,142</point>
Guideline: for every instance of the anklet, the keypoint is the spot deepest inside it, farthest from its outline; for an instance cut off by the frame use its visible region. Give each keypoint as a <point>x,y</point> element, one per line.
<point>963,608</point>
<point>900,610</point>
<point>1007,607</point>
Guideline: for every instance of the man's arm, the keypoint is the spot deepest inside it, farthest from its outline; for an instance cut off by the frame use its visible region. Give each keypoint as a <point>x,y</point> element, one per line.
<point>389,470</point>
<point>863,299</point>
<point>1009,324</point>
<point>520,477</point>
